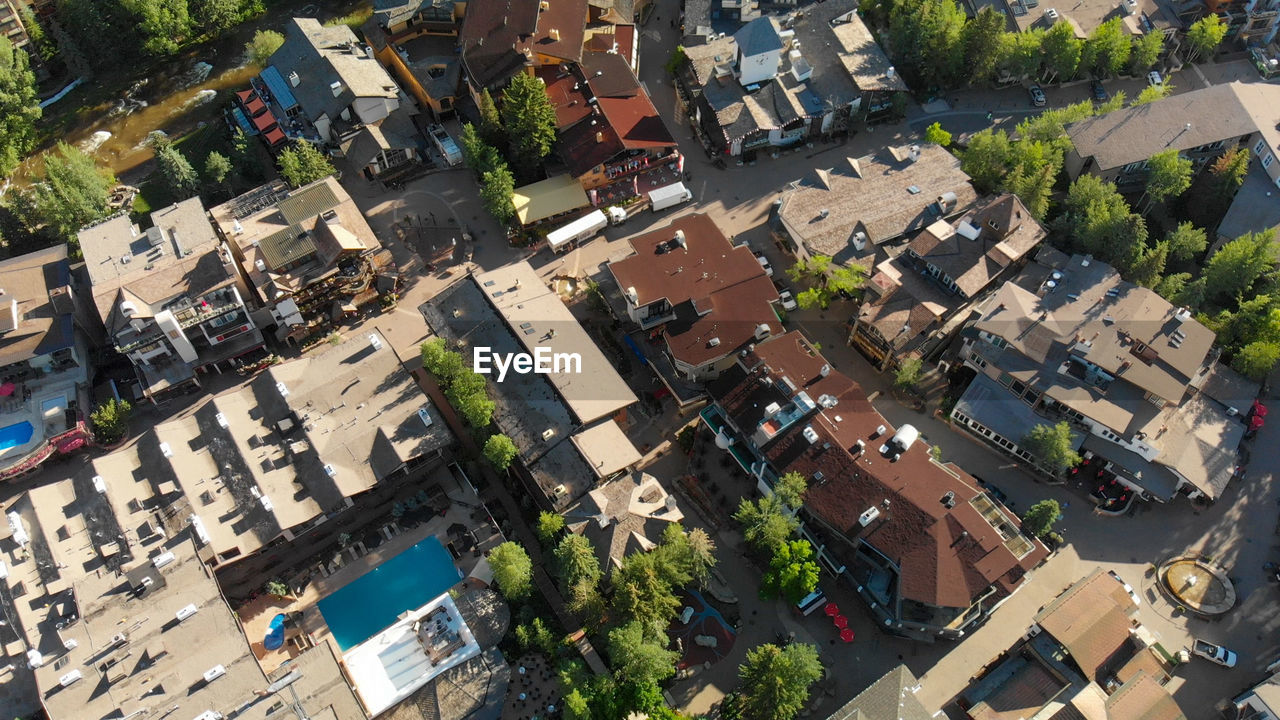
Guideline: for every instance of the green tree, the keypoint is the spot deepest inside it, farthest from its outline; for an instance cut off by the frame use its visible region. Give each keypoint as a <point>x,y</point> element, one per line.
<point>176,171</point>
<point>1186,241</point>
<point>1257,319</point>
<point>584,601</point>
<point>1152,93</point>
<point>1233,269</point>
<point>826,280</point>
<point>442,362</point>
<point>775,681</point>
<point>1146,51</point>
<point>1169,175</point>
<point>214,17</point>
<point>936,135</point>
<point>636,658</point>
<point>1148,269</point>
<point>908,373</point>
<point>490,122</point>
<point>575,560</point>
<point>790,490</point>
<point>476,409</point>
<point>1204,36</point>
<point>1107,50</point>
<point>480,156</point>
<point>19,106</point>
<point>263,45</point>
<point>512,570</point>
<point>536,636</point>
<point>1257,359</point>
<point>1033,188</point>
<point>766,523</point>
<point>1171,287</point>
<point>496,189</point>
<point>104,33</point>
<point>245,158</point>
<point>576,706</point>
<point>164,24</point>
<point>549,527</point>
<point>1226,174</point>
<point>45,47</point>
<point>642,592</point>
<point>73,193</point>
<point>500,451</point>
<point>686,556</point>
<point>111,421</point>
<point>792,573</point>
<point>1116,102</point>
<point>1052,445</point>
<point>981,41</point>
<point>530,121</point>
<point>1020,53</point>
<point>926,37</point>
<point>302,164</point>
<point>986,159</point>
<point>1062,50</point>
<point>1039,518</point>
<point>217,168</point>
<point>1097,220</point>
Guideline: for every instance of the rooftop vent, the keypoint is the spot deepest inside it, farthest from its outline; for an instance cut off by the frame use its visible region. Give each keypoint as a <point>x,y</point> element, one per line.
<point>869,516</point>
<point>186,612</point>
<point>375,341</point>
<point>330,470</point>
<point>714,342</point>
<point>163,559</point>
<point>222,420</point>
<point>949,500</point>
<point>858,240</point>
<point>827,401</point>
<point>810,434</point>
<point>70,678</point>
<point>266,503</point>
<point>336,87</point>
<point>166,450</point>
<point>762,331</point>
<point>260,264</point>
<point>214,673</point>
<point>280,388</point>
<point>99,484</point>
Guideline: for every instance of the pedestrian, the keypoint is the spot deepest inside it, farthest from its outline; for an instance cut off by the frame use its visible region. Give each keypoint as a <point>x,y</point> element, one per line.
<point>673,22</point>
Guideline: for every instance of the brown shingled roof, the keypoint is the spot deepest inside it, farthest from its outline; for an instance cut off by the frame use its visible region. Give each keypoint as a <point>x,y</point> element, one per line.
<point>947,556</point>
<point>1092,620</point>
<point>725,283</point>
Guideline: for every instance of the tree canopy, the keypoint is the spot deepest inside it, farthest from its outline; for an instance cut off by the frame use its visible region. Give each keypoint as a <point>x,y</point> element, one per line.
<point>1062,51</point>
<point>775,681</point>
<point>302,164</point>
<point>575,560</point>
<point>19,106</point>
<point>512,570</point>
<point>1039,518</point>
<point>1107,50</point>
<point>1052,445</point>
<point>549,527</point>
<point>1204,36</point>
<point>936,135</point>
<point>72,194</point>
<point>1169,175</point>
<point>643,591</point>
<point>262,46</point>
<point>530,122</point>
<point>1236,266</point>
<point>793,572</point>
<point>766,523</point>
<point>638,658</point>
<point>178,174</point>
<point>826,279</point>
<point>500,450</point>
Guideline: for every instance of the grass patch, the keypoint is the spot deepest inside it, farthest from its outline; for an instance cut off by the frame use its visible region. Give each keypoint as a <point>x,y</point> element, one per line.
<point>353,19</point>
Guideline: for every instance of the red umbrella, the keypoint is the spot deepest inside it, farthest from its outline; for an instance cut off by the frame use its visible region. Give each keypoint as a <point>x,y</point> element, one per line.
<point>7,389</point>
<point>841,621</point>
<point>1255,424</point>
<point>846,635</point>
<point>831,609</point>
<point>1259,409</point>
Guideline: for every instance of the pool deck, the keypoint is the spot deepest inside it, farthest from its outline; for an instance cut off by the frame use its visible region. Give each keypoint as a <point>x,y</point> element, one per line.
<point>13,411</point>
<point>256,615</point>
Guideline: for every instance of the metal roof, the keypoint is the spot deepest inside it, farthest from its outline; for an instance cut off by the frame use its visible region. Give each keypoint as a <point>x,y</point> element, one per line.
<point>307,203</point>
<point>286,246</point>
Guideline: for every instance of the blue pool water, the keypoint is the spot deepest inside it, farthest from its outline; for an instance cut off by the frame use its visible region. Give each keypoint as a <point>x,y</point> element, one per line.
<point>372,601</point>
<point>15,435</point>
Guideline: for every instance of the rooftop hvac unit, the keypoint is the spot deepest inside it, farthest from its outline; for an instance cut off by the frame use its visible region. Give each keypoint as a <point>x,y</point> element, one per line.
<point>187,612</point>
<point>713,342</point>
<point>879,431</point>
<point>266,503</point>
<point>70,678</point>
<point>869,516</point>
<point>166,450</point>
<point>294,78</point>
<point>762,331</point>
<point>772,408</point>
<point>214,673</point>
<point>560,490</point>
<point>375,341</point>
<point>330,470</point>
<point>859,241</point>
<point>209,714</point>
<point>859,447</point>
<point>128,308</point>
<point>280,388</point>
<point>118,639</point>
<point>222,420</point>
<point>70,644</point>
<point>336,87</point>
<point>34,659</point>
<point>810,434</point>
<point>163,559</point>
<point>99,483</point>
<point>260,264</point>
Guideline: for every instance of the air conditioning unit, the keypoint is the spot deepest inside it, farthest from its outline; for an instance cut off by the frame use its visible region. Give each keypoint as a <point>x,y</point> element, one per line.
<point>222,420</point>
<point>375,341</point>
<point>118,639</point>
<point>70,678</point>
<point>266,503</point>
<point>1051,15</point>
<point>99,483</point>
<point>187,612</point>
<point>166,450</point>
<point>330,470</point>
<point>869,516</point>
<point>214,673</point>
<point>163,559</point>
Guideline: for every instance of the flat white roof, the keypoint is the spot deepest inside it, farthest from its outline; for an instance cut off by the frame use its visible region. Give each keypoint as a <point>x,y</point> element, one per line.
<point>540,319</point>
<point>606,448</point>
<point>393,664</point>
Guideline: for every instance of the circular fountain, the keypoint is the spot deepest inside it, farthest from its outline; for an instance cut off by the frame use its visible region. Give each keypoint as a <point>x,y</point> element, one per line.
<point>1197,585</point>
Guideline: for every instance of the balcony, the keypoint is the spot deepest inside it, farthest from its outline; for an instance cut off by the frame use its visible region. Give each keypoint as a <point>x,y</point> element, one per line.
<point>640,163</point>
<point>193,312</point>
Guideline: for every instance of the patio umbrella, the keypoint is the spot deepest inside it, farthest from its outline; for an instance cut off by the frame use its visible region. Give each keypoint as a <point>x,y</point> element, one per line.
<point>1259,409</point>
<point>7,389</point>
<point>1255,424</point>
<point>831,609</point>
<point>841,621</point>
<point>846,635</point>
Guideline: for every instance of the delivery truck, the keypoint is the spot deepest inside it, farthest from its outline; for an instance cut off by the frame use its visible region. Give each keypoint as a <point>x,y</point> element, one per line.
<point>584,228</point>
<point>669,196</point>
<point>445,144</point>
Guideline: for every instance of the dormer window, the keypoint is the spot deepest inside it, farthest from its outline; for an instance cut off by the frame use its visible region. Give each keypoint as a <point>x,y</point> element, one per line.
<point>994,224</point>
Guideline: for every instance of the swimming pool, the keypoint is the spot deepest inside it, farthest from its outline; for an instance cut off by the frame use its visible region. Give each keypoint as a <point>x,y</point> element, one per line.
<point>374,600</point>
<point>15,435</point>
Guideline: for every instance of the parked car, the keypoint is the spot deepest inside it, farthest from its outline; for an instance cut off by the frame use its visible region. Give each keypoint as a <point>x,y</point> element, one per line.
<point>764,263</point>
<point>1153,78</point>
<point>1214,653</point>
<point>787,300</point>
<point>1099,92</point>
<point>1127,588</point>
<point>1037,96</point>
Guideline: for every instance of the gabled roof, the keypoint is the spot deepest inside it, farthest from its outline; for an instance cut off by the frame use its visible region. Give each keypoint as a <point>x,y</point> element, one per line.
<point>497,34</point>
<point>892,697</point>
<point>1184,121</point>
<point>1143,698</point>
<point>759,36</point>
<point>34,322</point>
<point>1092,620</point>
<point>623,516</point>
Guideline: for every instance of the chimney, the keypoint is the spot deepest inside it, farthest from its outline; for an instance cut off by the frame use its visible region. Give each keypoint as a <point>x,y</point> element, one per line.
<point>554,34</point>
<point>599,137</point>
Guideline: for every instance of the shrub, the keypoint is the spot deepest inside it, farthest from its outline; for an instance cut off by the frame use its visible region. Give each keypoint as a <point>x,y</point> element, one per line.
<point>111,421</point>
